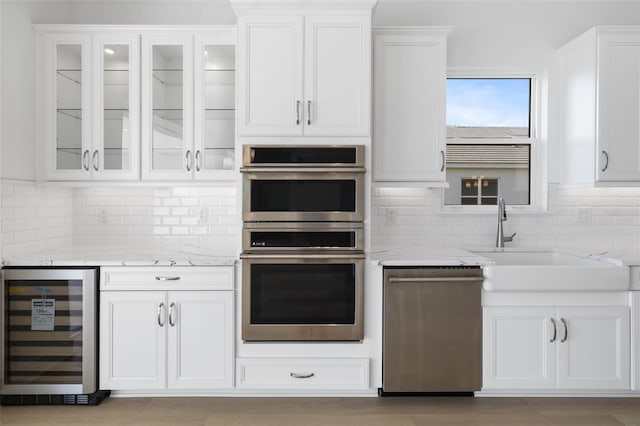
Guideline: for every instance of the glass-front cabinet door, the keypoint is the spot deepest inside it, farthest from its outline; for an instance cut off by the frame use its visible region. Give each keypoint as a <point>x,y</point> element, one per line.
<point>115,154</point>
<point>67,109</point>
<point>215,84</point>
<point>167,107</point>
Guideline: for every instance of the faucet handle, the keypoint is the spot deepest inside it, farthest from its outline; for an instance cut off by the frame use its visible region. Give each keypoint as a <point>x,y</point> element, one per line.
<point>509,239</point>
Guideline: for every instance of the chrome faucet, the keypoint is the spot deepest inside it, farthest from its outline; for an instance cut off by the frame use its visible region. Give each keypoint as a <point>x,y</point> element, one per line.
<point>502,216</point>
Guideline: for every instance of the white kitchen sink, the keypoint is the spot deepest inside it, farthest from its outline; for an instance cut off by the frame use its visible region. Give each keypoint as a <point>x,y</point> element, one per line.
<point>551,270</point>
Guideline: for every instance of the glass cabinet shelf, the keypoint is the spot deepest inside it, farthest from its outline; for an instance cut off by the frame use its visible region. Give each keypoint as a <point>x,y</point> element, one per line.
<point>168,77</point>
<point>75,113</point>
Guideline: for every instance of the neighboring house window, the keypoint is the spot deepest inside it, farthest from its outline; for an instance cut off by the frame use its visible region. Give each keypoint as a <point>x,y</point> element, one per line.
<point>489,133</point>
<point>479,190</point>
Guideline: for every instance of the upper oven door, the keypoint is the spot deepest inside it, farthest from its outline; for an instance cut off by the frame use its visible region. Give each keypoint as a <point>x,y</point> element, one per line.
<point>303,196</point>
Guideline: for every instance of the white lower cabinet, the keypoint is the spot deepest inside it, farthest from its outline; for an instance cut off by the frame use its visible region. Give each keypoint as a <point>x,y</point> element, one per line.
<point>556,348</point>
<point>157,340</point>
<point>334,374</point>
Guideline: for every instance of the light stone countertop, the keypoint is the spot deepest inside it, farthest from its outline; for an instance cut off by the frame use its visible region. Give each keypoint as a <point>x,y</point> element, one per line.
<point>120,256</point>
<point>426,256</point>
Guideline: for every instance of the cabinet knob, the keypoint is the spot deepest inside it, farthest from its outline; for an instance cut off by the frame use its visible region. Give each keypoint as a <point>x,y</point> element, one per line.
<point>308,113</point>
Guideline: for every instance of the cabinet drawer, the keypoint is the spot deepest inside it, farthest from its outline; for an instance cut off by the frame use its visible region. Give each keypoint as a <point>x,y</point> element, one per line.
<point>167,278</point>
<point>296,373</point>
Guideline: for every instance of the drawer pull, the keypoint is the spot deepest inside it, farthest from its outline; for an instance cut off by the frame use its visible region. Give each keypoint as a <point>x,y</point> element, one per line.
<point>167,278</point>
<point>301,376</point>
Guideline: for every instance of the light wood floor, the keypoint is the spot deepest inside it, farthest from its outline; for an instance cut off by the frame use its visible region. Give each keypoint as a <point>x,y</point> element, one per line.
<point>390,411</point>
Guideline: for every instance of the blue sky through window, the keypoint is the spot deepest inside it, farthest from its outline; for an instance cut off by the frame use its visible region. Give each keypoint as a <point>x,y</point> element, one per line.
<point>488,102</point>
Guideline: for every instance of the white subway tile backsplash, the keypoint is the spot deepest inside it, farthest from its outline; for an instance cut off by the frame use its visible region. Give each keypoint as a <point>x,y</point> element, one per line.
<point>609,220</point>
<point>207,219</point>
<point>36,218</point>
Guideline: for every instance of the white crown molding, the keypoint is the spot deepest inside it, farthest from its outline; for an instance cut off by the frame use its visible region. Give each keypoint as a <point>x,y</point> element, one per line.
<point>72,28</point>
<point>242,6</point>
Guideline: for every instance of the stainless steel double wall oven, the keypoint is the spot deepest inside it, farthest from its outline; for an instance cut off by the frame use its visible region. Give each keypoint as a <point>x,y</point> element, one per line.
<point>303,243</point>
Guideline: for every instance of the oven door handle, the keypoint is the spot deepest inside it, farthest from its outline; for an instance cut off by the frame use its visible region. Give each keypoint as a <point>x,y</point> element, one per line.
<point>302,256</point>
<point>302,169</point>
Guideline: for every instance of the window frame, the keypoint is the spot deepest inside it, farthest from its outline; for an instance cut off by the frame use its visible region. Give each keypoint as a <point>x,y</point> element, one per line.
<point>537,144</point>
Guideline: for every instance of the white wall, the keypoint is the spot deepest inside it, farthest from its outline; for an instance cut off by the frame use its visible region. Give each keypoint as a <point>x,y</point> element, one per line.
<point>507,34</point>
<point>35,218</point>
<point>18,56</point>
<point>40,218</point>
<point>512,36</point>
<point>594,220</point>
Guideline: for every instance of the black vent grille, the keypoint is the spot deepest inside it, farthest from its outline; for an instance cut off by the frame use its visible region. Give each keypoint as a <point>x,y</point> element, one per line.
<point>83,399</point>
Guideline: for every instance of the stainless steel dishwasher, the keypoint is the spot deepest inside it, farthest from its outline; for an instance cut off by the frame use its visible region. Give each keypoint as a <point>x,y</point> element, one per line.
<point>432,330</point>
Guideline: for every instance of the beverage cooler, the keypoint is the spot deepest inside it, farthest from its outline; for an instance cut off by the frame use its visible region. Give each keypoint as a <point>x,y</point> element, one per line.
<point>49,335</point>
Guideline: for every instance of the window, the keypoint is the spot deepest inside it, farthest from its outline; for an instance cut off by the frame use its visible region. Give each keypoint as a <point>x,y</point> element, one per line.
<point>479,190</point>
<point>489,141</point>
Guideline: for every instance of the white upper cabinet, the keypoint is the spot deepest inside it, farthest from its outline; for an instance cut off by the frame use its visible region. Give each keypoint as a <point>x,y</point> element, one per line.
<point>116,96</point>
<point>121,103</point>
<point>409,140</point>
<point>167,107</point>
<point>215,105</point>
<point>337,85</point>
<point>618,106</point>
<point>188,113</point>
<point>270,76</point>
<point>304,74</point>
<point>90,106</point>
<point>600,107</point>
<point>64,106</point>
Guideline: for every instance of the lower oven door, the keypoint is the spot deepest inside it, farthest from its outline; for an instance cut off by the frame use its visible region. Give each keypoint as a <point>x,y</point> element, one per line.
<point>302,298</point>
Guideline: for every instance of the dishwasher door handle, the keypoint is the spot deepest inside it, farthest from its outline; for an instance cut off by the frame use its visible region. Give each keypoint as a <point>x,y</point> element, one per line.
<point>435,279</point>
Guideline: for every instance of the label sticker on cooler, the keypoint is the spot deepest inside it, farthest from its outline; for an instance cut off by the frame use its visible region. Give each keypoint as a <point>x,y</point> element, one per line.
<point>43,314</point>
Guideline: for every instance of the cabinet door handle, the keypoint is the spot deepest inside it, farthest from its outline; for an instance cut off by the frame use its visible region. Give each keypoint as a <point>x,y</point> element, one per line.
<point>308,113</point>
<point>167,278</point>
<point>302,376</point>
<point>85,160</point>
<point>297,113</point>
<point>160,306</point>
<point>566,330</point>
<point>606,163</point>
<point>188,160</point>
<point>442,154</point>
<point>171,306</point>
<point>198,161</point>
<point>95,160</point>
<point>555,330</point>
